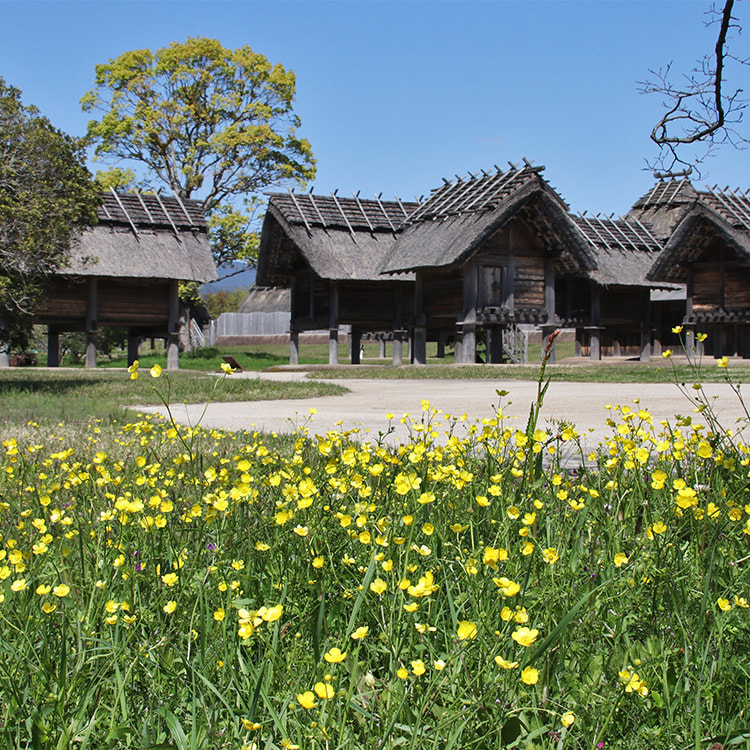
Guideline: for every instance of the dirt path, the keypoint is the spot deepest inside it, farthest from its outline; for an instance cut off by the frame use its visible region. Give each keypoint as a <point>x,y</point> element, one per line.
<point>366,405</point>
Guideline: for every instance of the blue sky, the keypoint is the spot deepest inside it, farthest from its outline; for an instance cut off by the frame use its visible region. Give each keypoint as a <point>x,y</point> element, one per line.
<point>395,95</point>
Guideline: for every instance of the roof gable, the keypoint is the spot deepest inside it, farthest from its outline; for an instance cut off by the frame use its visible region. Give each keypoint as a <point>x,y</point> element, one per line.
<point>338,238</point>
<point>460,215</point>
<point>144,236</point>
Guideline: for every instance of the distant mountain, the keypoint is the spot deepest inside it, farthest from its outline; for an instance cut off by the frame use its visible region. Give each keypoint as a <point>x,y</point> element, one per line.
<point>244,279</point>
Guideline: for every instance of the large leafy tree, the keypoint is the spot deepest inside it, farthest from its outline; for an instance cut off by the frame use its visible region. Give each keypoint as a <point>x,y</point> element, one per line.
<point>46,197</point>
<point>208,122</point>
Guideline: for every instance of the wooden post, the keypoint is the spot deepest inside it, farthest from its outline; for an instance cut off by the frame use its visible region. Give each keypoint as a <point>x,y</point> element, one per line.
<point>91,314</point>
<point>420,330</point>
<point>133,341</point>
<point>333,324</point>
<point>469,339</point>
<point>441,344</point>
<point>293,347</point>
<point>645,342</point>
<point>173,348</point>
<point>656,347</point>
<point>53,348</point>
<point>381,347</point>
<point>596,331</point>
<point>549,292</point>
<point>398,346</point>
<point>355,341</point>
<point>494,345</point>
<point>293,332</point>
<point>458,345</point>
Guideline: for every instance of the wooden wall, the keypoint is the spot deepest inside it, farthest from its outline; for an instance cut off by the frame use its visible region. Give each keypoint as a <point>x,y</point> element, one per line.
<point>119,302</point>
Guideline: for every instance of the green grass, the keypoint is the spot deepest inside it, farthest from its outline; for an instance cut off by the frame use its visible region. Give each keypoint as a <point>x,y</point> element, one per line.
<point>166,588</point>
<point>262,357</point>
<point>51,396</point>
<point>583,372</point>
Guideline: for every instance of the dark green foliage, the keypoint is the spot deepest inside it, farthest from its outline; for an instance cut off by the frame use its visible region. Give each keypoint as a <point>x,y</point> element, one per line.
<point>46,196</point>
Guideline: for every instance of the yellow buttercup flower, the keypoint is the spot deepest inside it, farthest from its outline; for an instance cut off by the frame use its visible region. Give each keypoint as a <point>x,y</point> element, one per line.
<point>466,629</point>
<point>170,606</point>
<point>324,691</point>
<point>567,719</point>
<point>378,586</point>
<point>334,655</point>
<point>525,636</point>
<point>61,590</point>
<point>360,633</point>
<point>306,699</point>
<point>529,676</point>
<point>504,663</point>
<point>155,371</point>
<point>418,667</point>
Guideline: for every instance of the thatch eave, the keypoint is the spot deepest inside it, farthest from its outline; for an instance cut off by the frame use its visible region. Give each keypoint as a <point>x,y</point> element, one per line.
<point>332,253</point>
<point>440,243</point>
<point>107,250</point>
<point>684,244</point>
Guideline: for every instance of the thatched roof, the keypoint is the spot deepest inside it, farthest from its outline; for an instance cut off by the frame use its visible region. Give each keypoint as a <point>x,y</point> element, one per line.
<point>722,214</point>
<point>625,249</point>
<point>664,205</point>
<point>339,238</point>
<point>266,299</point>
<point>463,214</point>
<point>145,236</point>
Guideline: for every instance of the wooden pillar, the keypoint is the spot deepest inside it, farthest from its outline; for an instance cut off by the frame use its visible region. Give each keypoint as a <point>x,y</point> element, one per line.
<point>494,345</point>
<point>293,332</point>
<point>420,331</point>
<point>469,322</point>
<point>173,348</point>
<point>645,342</point>
<point>595,331</point>
<point>381,347</point>
<point>441,345</point>
<point>91,314</point>
<point>53,348</point>
<point>333,324</point>
<point>355,342</point>
<point>293,347</point>
<point>656,346</point>
<point>133,342</point>
<point>549,292</point>
<point>398,346</point>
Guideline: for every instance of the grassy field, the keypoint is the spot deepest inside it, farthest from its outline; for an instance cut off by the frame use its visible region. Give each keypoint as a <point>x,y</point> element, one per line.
<point>76,395</point>
<point>166,588</point>
<point>266,356</point>
<point>258,358</point>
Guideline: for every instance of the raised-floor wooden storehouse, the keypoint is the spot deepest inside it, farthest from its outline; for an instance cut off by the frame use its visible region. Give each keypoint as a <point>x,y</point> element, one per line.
<point>611,306</point>
<point>328,251</point>
<point>486,252</point>
<point>708,250</point>
<point>125,272</point>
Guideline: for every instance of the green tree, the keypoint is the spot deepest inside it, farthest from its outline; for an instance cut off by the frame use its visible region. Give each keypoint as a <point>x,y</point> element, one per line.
<point>46,198</point>
<point>223,300</point>
<point>208,122</point>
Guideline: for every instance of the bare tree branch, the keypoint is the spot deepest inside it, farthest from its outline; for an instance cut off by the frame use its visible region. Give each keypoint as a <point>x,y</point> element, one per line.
<point>698,112</point>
